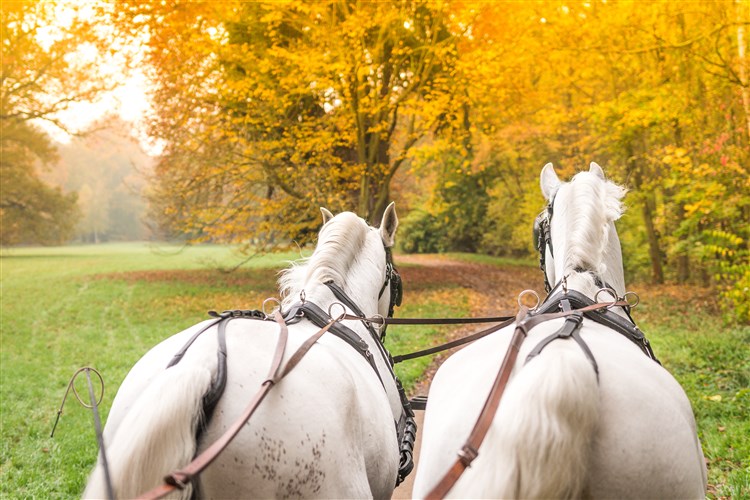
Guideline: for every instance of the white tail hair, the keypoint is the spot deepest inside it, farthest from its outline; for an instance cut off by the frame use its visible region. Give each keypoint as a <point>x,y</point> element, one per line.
<point>157,434</point>
<point>540,439</point>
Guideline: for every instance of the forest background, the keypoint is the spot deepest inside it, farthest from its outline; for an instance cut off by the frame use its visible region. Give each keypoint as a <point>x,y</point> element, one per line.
<point>262,112</point>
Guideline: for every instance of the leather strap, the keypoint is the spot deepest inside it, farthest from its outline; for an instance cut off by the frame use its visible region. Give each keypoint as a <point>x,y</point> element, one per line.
<point>455,343</point>
<point>442,321</point>
<point>570,329</point>
<point>604,317</point>
<point>468,451</point>
<point>179,479</point>
<point>320,318</point>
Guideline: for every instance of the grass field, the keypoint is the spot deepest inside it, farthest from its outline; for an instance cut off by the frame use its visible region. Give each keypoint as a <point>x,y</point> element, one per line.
<point>104,306</point>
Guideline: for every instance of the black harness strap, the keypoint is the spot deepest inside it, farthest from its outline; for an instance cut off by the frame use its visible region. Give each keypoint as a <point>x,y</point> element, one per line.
<point>320,318</point>
<point>454,343</point>
<point>570,329</point>
<point>605,317</point>
<point>211,398</point>
<point>218,384</point>
<point>339,293</point>
<point>406,426</point>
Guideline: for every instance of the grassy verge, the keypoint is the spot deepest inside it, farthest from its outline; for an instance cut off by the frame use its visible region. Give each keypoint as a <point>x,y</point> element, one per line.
<point>105,306</point>
<point>711,361</point>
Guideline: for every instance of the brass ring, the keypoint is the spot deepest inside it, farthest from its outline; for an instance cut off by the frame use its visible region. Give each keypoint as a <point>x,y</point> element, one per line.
<point>610,291</point>
<point>75,391</point>
<point>380,323</point>
<point>528,292</point>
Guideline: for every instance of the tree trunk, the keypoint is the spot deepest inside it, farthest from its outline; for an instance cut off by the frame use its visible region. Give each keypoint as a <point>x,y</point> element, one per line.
<point>741,10</point>
<point>649,207</point>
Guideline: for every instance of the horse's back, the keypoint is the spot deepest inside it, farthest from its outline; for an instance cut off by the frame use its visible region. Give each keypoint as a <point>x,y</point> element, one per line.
<point>644,443</point>
<point>647,444</point>
<point>318,433</point>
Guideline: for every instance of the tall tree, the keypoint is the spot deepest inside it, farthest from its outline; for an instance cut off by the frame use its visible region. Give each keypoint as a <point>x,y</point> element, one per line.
<point>269,110</point>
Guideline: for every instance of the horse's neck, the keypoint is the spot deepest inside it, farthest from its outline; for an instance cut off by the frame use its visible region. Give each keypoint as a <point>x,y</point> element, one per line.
<point>322,296</point>
<point>609,271</point>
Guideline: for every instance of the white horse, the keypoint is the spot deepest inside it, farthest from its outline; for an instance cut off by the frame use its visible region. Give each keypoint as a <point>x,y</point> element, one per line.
<point>561,430</point>
<point>326,430</point>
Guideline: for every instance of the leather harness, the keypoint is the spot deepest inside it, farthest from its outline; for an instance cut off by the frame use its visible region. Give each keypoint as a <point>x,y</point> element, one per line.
<point>406,427</point>
<point>573,306</point>
<point>568,304</point>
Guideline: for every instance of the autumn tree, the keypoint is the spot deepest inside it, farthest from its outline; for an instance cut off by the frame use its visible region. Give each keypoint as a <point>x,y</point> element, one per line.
<point>41,76</point>
<point>268,110</point>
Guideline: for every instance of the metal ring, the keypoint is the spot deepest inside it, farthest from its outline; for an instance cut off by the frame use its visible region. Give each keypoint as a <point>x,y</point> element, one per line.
<point>528,292</point>
<point>633,304</point>
<point>610,291</point>
<point>341,316</point>
<point>379,324</point>
<point>269,299</point>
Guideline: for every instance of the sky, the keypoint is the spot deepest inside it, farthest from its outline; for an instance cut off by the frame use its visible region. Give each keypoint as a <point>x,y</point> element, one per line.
<point>128,100</point>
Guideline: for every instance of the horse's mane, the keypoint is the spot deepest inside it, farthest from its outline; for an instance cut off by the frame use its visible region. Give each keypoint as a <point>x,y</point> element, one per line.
<point>593,203</point>
<point>339,241</point>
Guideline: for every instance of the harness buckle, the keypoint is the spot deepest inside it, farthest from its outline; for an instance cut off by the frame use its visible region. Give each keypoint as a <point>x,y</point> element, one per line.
<point>467,454</point>
<point>178,482</point>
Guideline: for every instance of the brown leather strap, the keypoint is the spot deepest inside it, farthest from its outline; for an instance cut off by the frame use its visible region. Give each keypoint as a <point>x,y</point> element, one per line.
<point>380,320</point>
<point>180,478</point>
<point>302,350</point>
<point>449,345</point>
<point>442,321</point>
<point>469,451</point>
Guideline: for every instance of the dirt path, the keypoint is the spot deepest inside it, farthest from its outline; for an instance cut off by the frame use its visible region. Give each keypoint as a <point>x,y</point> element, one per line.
<point>496,289</point>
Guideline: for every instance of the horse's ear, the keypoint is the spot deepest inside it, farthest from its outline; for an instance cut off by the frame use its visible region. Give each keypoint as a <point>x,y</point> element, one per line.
<point>595,169</point>
<point>549,181</point>
<point>327,215</point>
<point>388,225</point>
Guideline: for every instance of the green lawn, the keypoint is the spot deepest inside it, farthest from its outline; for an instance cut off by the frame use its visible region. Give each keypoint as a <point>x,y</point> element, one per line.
<point>104,306</point>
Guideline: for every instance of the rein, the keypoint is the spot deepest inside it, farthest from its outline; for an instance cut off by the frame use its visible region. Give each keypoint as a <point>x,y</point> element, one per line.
<point>179,479</point>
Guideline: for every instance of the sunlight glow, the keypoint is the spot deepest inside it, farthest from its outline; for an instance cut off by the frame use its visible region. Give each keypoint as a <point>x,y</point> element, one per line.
<point>128,99</point>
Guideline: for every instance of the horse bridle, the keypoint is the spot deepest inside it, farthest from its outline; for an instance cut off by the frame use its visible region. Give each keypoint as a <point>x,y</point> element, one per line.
<point>392,280</point>
<point>542,238</point>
